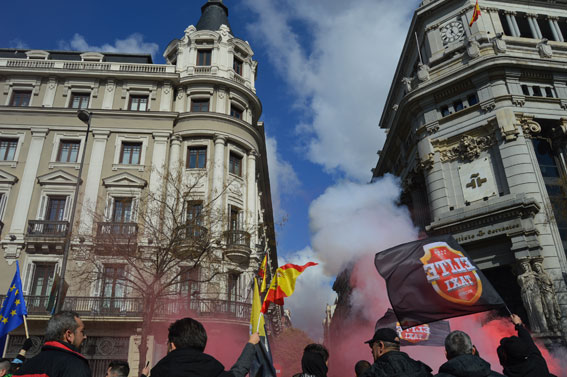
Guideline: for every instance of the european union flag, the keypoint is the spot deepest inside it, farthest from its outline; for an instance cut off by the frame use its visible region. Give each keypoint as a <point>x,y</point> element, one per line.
<point>13,307</point>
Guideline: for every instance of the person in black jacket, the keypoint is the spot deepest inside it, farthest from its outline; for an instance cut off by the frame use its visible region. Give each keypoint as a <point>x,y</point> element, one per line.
<point>59,356</point>
<point>519,355</point>
<point>463,359</point>
<point>187,339</point>
<point>389,361</point>
<point>314,361</point>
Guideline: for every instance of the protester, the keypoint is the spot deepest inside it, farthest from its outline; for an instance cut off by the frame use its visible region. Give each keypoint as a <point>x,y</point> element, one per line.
<point>389,361</point>
<point>17,362</point>
<point>519,355</point>
<point>463,359</point>
<point>361,367</point>
<point>118,368</point>
<point>4,367</point>
<point>187,339</point>
<point>314,361</point>
<point>59,356</point>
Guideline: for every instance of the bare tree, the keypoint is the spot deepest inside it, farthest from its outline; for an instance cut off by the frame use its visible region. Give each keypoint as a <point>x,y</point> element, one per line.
<point>176,240</point>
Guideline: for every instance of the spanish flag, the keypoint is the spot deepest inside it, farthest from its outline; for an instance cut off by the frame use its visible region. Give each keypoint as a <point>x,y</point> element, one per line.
<point>476,14</point>
<point>257,317</point>
<point>283,284</point>
<point>263,273</point>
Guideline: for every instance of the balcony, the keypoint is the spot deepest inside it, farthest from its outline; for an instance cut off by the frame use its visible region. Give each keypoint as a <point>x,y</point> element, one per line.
<point>46,236</point>
<point>134,308</point>
<point>191,241</point>
<point>237,246</point>
<point>115,238</point>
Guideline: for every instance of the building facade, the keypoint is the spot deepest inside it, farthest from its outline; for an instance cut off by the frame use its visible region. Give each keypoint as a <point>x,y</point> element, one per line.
<point>476,128</point>
<point>192,122</point>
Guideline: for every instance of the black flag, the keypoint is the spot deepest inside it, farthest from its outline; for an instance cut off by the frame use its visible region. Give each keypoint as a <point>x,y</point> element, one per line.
<point>433,334</point>
<point>433,279</point>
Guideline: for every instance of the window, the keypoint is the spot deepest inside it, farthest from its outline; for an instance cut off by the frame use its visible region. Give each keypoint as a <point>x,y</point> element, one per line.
<point>537,91</point>
<point>524,26</point>
<point>235,164</point>
<point>472,99</point>
<point>8,149</point>
<point>42,279</point>
<point>237,66</point>
<point>138,103</point>
<point>21,98</point>
<point>122,212</point>
<point>204,57</point>
<point>194,212</point>
<point>68,150</point>
<point>79,100</point>
<point>130,153</point>
<point>233,292</point>
<point>236,112</point>
<point>549,92</point>
<point>55,208</point>
<point>505,24</point>
<point>200,105</point>
<point>458,106</point>
<point>525,90</point>
<point>189,282</point>
<point>445,111</point>
<point>234,218</point>
<point>113,287</point>
<point>197,157</point>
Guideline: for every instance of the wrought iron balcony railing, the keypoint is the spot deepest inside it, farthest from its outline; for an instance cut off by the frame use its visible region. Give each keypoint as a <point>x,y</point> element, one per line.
<point>237,238</point>
<point>117,230</point>
<point>134,307</point>
<point>192,232</point>
<point>47,228</point>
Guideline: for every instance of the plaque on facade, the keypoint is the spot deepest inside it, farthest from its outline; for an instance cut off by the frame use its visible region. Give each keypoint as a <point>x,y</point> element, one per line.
<point>477,180</point>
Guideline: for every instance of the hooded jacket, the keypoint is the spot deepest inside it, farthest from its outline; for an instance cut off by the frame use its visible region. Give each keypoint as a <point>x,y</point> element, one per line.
<point>190,362</point>
<point>533,365</point>
<point>399,364</point>
<point>466,366</point>
<point>56,359</point>
<point>312,365</point>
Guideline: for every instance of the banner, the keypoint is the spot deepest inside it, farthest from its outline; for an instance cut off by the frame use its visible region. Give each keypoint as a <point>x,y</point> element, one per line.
<point>433,279</point>
<point>433,334</point>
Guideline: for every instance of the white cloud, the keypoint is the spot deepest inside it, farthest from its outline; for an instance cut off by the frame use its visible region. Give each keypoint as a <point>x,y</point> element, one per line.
<point>340,71</point>
<point>19,44</point>
<point>133,44</point>
<point>283,179</point>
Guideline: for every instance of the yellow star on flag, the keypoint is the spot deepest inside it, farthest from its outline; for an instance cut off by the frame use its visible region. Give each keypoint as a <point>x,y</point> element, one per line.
<point>12,287</point>
<point>17,302</point>
<point>13,313</point>
<point>17,291</point>
<point>5,320</point>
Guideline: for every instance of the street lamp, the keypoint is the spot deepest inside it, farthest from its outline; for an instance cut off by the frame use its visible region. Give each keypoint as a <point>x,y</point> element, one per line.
<point>85,117</point>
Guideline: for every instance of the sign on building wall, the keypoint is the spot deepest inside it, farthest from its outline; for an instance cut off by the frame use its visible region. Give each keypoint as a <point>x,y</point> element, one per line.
<point>477,180</point>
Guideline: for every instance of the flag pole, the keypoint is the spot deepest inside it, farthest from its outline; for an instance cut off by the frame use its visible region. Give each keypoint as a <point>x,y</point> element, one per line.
<point>418,48</point>
<point>26,326</point>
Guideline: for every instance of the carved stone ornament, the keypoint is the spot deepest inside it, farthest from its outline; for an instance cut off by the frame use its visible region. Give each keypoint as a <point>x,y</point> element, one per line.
<point>425,164</point>
<point>422,72</point>
<point>530,127</point>
<point>395,107</point>
<point>499,44</point>
<point>531,297</point>
<point>467,148</point>
<point>548,296</point>
<point>406,81</point>
<point>544,49</point>
<point>473,48</point>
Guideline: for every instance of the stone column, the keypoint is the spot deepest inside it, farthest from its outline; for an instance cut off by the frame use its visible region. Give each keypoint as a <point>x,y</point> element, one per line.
<point>251,194</point>
<point>218,182</point>
<point>534,27</point>
<point>157,175</point>
<point>92,183</point>
<point>555,29</point>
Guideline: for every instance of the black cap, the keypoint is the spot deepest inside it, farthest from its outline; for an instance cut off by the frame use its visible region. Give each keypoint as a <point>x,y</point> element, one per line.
<point>385,335</point>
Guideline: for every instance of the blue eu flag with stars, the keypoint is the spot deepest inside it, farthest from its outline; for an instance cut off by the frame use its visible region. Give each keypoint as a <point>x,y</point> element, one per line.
<point>13,307</point>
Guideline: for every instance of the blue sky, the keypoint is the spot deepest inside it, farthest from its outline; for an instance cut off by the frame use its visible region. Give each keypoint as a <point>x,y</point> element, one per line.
<point>325,67</point>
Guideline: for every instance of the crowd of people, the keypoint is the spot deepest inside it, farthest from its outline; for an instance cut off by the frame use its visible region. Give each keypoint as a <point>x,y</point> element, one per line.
<point>60,355</point>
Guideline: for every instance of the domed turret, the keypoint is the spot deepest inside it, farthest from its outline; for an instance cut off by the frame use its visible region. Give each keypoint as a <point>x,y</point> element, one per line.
<point>213,14</point>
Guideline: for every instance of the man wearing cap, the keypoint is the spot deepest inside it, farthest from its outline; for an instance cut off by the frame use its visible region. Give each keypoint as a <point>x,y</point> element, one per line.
<point>389,361</point>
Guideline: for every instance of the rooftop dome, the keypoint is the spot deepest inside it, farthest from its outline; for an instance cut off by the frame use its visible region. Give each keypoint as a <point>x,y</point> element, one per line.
<point>213,14</point>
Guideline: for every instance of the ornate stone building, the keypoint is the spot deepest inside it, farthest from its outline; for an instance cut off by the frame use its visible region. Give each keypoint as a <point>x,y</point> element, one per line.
<point>195,118</point>
<point>477,129</point>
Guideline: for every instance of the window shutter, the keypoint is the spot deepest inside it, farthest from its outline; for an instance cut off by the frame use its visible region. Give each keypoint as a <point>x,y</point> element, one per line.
<point>134,209</point>
<point>2,204</point>
<point>109,208</point>
<point>98,283</point>
<point>68,206</point>
<point>29,277</point>
<point>240,225</point>
<point>41,211</point>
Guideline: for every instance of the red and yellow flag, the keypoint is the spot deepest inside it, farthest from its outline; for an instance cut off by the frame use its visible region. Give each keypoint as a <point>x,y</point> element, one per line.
<point>263,273</point>
<point>283,284</point>
<point>476,14</point>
